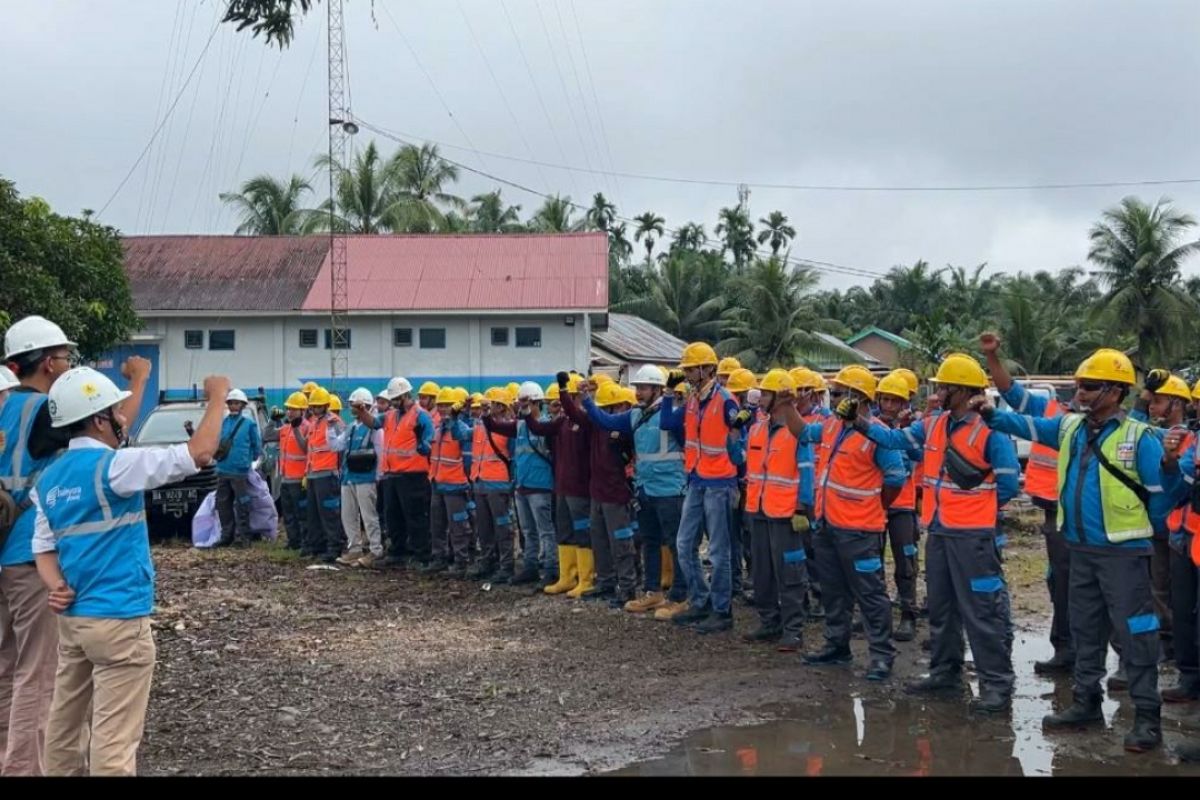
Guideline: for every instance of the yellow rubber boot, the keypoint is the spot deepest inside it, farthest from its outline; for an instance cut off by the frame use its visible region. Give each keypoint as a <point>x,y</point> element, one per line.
<point>668,569</point>
<point>568,573</point>
<point>587,572</point>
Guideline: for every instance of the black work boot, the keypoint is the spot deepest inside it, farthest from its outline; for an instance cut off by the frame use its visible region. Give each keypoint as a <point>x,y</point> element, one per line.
<point>1118,681</point>
<point>879,670</point>
<point>1188,752</point>
<point>715,622</point>
<point>763,634</point>
<point>906,631</point>
<point>1061,663</point>
<point>1085,710</point>
<point>480,570</point>
<point>691,616</point>
<point>526,575</point>
<point>1186,691</point>
<point>990,701</point>
<point>828,656</point>
<point>1147,731</point>
<point>790,643</point>
<point>947,681</point>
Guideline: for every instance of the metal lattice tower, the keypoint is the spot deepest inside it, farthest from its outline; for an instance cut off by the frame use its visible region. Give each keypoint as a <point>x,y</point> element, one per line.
<point>340,129</point>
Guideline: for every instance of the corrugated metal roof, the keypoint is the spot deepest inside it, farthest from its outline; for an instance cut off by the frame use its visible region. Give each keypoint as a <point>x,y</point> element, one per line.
<point>386,273</point>
<point>634,339</point>
<point>222,273</point>
<point>824,363</point>
<point>895,339</point>
<point>484,272</point>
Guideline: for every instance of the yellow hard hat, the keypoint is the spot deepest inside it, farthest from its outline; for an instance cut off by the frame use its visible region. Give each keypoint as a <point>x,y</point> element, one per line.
<point>573,381</point>
<point>630,395</point>
<point>1107,364</point>
<point>960,369</point>
<point>805,378</point>
<point>513,390</point>
<point>858,377</point>
<point>777,380</point>
<point>461,395</point>
<point>824,385</point>
<point>895,385</point>
<point>698,354</point>
<point>552,392</point>
<point>681,391</point>
<point>1175,387</point>
<point>477,400</point>
<point>428,389</point>
<point>335,403</point>
<point>308,388</point>
<point>910,378</point>
<point>498,394</point>
<point>609,395</point>
<point>601,378</point>
<point>318,397</point>
<point>446,396</point>
<point>728,365</point>
<point>741,380</point>
<point>296,400</point>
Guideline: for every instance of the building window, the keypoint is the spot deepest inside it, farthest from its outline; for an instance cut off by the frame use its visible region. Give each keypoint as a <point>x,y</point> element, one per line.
<point>529,337</point>
<point>193,340</point>
<point>308,337</point>
<point>433,338</point>
<point>344,344</point>
<point>499,337</point>
<point>220,340</point>
<point>402,337</point>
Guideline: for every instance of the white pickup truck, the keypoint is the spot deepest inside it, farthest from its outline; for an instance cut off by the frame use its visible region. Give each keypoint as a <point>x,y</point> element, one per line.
<point>1043,390</point>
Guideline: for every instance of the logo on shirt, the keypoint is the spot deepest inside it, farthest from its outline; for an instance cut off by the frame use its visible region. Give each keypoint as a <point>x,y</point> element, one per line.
<point>63,493</point>
<point>1125,452</point>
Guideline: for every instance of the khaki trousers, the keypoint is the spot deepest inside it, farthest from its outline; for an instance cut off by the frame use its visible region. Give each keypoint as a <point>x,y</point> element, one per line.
<point>28,645</point>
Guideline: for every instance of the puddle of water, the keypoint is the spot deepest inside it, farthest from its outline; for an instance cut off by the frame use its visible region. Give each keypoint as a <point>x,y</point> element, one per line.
<point>864,730</point>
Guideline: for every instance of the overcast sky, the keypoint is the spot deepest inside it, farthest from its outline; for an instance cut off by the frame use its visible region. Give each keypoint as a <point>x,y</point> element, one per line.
<point>880,93</point>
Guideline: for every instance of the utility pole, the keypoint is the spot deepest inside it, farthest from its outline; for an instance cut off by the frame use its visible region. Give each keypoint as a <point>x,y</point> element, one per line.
<point>340,130</point>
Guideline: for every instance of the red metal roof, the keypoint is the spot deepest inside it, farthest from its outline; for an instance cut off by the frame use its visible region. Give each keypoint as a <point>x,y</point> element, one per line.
<point>222,273</point>
<point>478,271</point>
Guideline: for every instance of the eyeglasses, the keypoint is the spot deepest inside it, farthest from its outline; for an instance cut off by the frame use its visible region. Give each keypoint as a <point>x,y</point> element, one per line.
<point>1090,386</point>
<point>72,360</point>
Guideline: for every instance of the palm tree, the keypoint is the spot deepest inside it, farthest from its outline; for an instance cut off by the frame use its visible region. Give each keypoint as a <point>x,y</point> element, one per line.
<point>366,201</point>
<point>453,222</point>
<point>489,214</point>
<point>1138,251</point>
<point>619,246</point>
<point>554,216</point>
<point>648,224</point>
<point>685,298</point>
<point>737,234</point>
<point>772,318</point>
<point>602,213</point>
<point>689,237</point>
<point>420,178</point>
<point>271,208</point>
<point>776,231</point>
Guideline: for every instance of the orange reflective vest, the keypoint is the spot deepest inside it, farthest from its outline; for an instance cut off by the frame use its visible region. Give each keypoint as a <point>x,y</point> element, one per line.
<point>292,459</point>
<point>437,427</point>
<point>1041,469</point>
<point>772,471</point>
<point>707,437</point>
<point>850,486</point>
<point>321,457</point>
<point>446,460</point>
<point>1183,518</point>
<point>958,509</point>
<point>400,442</point>
<point>486,463</point>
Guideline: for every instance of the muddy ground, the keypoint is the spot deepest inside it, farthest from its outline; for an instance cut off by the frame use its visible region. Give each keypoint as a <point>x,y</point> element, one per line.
<point>266,667</point>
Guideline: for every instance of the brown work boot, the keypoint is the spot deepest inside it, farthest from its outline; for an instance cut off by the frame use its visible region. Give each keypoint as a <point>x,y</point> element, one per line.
<point>668,612</point>
<point>647,602</point>
<point>366,562</point>
<point>349,559</point>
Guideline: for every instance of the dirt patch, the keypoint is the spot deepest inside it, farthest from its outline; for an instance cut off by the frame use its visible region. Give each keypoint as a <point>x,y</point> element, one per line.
<point>268,667</point>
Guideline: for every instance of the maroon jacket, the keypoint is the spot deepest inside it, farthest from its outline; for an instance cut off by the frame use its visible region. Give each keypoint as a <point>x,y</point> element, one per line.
<point>608,483</point>
<point>569,443</point>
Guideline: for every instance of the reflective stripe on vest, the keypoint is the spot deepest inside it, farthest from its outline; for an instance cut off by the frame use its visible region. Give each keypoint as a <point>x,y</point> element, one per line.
<point>1041,469</point>
<point>1183,518</point>
<point>321,456</point>
<point>446,460</point>
<point>958,509</point>
<point>1125,517</point>
<point>292,460</point>
<point>486,465</point>
<point>850,487</point>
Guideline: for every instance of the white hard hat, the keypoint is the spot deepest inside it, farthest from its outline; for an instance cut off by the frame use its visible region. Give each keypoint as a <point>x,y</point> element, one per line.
<point>7,379</point>
<point>530,391</point>
<point>80,393</point>
<point>361,395</point>
<point>236,395</point>
<point>33,333</point>
<point>648,375</point>
<point>398,387</point>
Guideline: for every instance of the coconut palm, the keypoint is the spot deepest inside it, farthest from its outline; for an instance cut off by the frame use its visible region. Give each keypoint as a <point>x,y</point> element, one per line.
<point>489,214</point>
<point>690,236</point>
<point>365,200</point>
<point>602,213</point>
<point>419,178</point>
<point>737,235</point>
<point>685,296</point>
<point>554,216</point>
<point>776,230</point>
<point>271,208</point>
